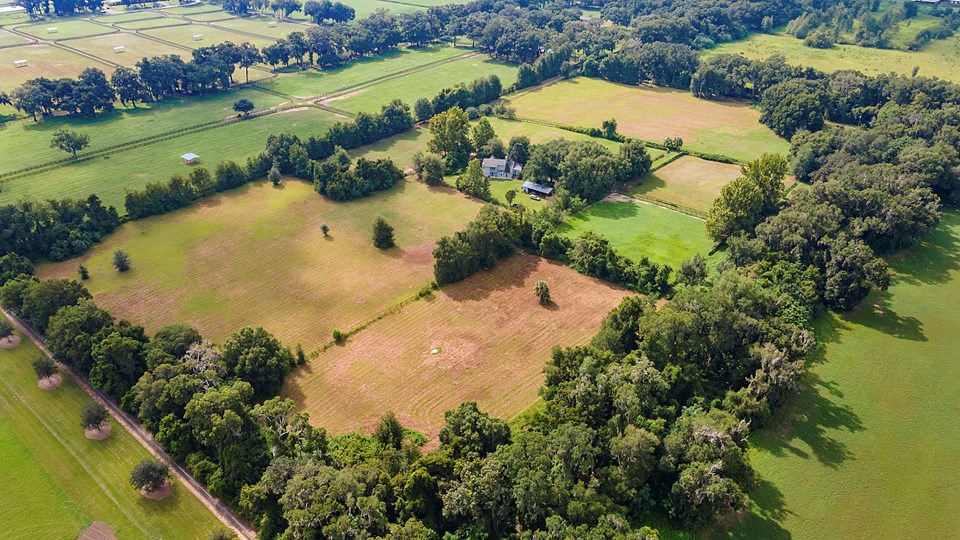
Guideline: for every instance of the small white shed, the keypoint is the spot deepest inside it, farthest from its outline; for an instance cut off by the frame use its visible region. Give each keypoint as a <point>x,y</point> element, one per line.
<point>198,37</point>
<point>51,29</point>
<point>19,63</point>
<point>272,24</point>
<point>119,49</point>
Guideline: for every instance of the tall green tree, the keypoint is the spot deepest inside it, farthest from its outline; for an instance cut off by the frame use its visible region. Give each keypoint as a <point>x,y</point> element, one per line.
<point>473,182</point>
<point>69,141</point>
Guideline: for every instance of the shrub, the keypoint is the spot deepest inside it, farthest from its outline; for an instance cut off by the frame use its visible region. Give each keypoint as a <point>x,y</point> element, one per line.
<point>149,475</point>
<point>542,290</point>
<point>121,260</point>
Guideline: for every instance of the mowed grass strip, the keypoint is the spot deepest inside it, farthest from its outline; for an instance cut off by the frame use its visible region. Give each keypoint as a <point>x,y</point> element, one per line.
<point>653,113</point>
<point>136,48</point>
<point>42,61</point>
<point>30,141</point>
<point>491,336</point>
<point>54,482</point>
<point>317,82</point>
<point>111,176</point>
<point>688,181</point>
<point>637,229</point>
<point>940,58</point>
<point>256,257</point>
<point>425,84</point>
<point>871,447</point>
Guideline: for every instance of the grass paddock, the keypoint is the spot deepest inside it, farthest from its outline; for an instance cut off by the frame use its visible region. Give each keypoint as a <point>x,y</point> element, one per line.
<point>42,61</point>
<point>688,181</point>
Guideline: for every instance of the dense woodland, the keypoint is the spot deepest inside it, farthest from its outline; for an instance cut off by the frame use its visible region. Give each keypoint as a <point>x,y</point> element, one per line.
<point>651,419</point>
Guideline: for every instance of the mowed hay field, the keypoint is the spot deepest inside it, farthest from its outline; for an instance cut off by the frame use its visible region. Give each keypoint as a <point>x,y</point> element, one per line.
<point>688,181</point>
<point>425,84</point>
<point>112,176</point>
<point>940,58</point>
<point>637,229</point>
<point>137,48</point>
<point>871,447</point>
<point>256,257</point>
<point>493,340</point>
<point>54,482</point>
<point>653,113</point>
<point>42,61</point>
<point>183,35</point>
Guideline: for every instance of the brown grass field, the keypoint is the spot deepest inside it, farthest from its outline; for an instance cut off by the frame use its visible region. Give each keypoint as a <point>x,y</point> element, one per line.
<point>183,35</point>
<point>43,61</point>
<point>652,113</point>
<point>256,256</point>
<point>493,339</point>
<point>688,181</point>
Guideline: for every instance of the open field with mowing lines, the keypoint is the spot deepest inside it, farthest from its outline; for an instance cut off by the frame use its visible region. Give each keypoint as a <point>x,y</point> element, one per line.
<point>637,229</point>
<point>131,16</point>
<point>425,84</point>
<point>183,35</point>
<point>940,58</point>
<point>151,23</point>
<point>30,141</point>
<point>870,448</point>
<point>43,61</point>
<point>652,113</point>
<point>256,257</point>
<point>688,181</point>
<point>66,29</point>
<point>134,168</point>
<point>211,16</point>
<point>55,483</point>
<point>9,38</point>
<point>493,340</point>
<point>539,134</point>
<point>259,26</point>
<point>313,83</point>
<point>364,8</point>
<point>137,47</point>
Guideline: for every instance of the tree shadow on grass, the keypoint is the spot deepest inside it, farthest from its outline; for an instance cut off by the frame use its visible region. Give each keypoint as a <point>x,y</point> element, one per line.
<point>935,260</point>
<point>809,419</point>
<point>483,283</point>
<point>765,518</point>
<point>875,312</point>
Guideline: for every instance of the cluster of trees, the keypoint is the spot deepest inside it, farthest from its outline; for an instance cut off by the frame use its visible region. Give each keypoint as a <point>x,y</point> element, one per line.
<point>662,63</point>
<point>584,171</point>
<point>211,68</point>
<point>336,179</point>
<point>38,8</point>
<point>54,229</point>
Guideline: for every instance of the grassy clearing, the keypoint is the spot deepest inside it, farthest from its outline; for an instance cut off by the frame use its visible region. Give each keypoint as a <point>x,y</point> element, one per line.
<point>364,8</point>
<point>652,113</point>
<point>257,257</point>
<point>499,189</point>
<point>183,35</point>
<point>870,448</point>
<point>909,28</point>
<point>425,84</point>
<point>9,38</point>
<point>313,83</point>
<point>210,16</point>
<point>30,141</point>
<point>637,229</point>
<point>126,17</point>
<point>137,47</point>
<point>538,134</point>
<point>43,61</point>
<point>260,26</point>
<point>54,482</point>
<point>939,59</point>
<point>150,23</point>
<point>688,181</point>
<point>132,169</point>
<point>66,29</point>
<point>493,340</point>
<point>193,9</point>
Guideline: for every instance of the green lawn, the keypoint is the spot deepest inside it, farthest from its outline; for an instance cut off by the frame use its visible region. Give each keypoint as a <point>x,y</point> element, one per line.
<point>30,141</point>
<point>425,84</point>
<point>127,17</point>
<point>9,38</point>
<point>653,113</point>
<point>66,28</point>
<point>938,59</point>
<point>872,447</point>
<point>637,230</point>
<point>137,47</point>
<point>54,482</point>
<point>132,169</point>
<point>183,35</point>
<point>313,83</point>
<point>364,8</point>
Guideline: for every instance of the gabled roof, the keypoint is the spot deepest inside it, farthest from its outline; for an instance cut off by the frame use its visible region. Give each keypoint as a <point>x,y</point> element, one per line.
<point>538,187</point>
<point>494,162</point>
<point>189,156</point>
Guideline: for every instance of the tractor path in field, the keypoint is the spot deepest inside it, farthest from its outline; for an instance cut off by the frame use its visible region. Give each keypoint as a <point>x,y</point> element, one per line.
<point>219,509</point>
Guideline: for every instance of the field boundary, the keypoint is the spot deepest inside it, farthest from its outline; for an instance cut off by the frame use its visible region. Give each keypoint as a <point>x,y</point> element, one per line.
<point>667,205</point>
<point>666,162</point>
<point>220,510</point>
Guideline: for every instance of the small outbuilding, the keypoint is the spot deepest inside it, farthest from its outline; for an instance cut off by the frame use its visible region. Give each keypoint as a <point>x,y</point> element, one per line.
<point>119,49</point>
<point>19,63</point>
<point>189,158</point>
<point>272,24</point>
<point>533,188</point>
<point>198,37</point>
<point>52,30</point>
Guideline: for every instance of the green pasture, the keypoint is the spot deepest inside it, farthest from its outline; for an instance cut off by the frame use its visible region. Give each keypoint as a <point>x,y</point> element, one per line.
<point>208,16</point>
<point>871,447</point>
<point>637,229</point>
<point>30,141</point>
<point>193,9</point>
<point>66,29</point>
<point>364,8</point>
<point>909,28</point>
<point>652,113</point>
<point>410,88</point>
<point>136,48</point>
<point>42,61</point>
<point>9,38</point>
<point>318,82</point>
<point>146,24</point>
<point>940,58</point>
<point>132,169</point>
<point>54,482</point>
<point>506,129</point>
<point>127,17</point>
<point>183,36</point>
<point>261,26</point>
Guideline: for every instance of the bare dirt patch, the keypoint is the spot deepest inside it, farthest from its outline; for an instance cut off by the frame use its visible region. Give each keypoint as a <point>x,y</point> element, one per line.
<point>491,336</point>
<point>10,342</point>
<point>294,109</point>
<point>158,494</point>
<point>618,197</point>
<point>98,530</point>
<point>50,383</point>
<point>348,95</point>
<point>98,434</point>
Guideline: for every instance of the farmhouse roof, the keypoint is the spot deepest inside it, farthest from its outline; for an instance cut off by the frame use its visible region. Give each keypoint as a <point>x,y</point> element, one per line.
<point>493,162</point>
<point>189,156</point>
<point>539,188</point>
